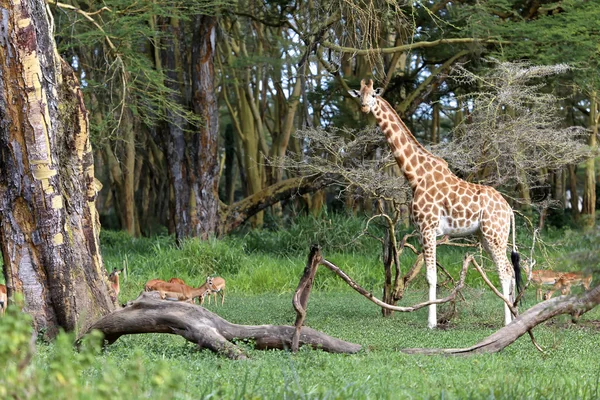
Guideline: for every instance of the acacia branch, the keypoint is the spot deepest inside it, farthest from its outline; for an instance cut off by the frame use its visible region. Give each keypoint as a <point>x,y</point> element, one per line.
<point>411,46</point>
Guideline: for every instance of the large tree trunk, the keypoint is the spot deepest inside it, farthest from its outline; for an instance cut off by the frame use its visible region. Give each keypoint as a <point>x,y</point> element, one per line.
<point>149,314</point>
<point>205,104</point>
<point>49,223</point>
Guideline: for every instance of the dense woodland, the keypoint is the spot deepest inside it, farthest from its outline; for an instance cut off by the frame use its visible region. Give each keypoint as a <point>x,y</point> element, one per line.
<point>193,104</point>
<point>197,117</point>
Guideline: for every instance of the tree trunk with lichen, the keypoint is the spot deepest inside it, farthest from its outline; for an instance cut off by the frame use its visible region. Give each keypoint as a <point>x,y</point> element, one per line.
<point>48,221</point>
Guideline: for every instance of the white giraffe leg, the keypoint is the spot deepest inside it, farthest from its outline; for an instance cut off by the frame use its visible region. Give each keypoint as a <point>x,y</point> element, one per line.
<point>432,280</point>
<point>429,254</point>
<point>506,283</point>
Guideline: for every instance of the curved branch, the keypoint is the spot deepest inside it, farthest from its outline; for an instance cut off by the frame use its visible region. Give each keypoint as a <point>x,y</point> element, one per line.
<point>234,215</point>
<point>574,305</point>
<point>468,258</point>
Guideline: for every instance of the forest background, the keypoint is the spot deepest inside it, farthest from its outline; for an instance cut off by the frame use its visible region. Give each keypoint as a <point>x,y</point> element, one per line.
<point>194,104</point>
<point>213,118</point>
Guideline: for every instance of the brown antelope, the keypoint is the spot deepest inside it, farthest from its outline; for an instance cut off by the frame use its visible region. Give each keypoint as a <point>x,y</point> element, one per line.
<point>569,279</point>
<point>177,280</point>
<point>3,299</point>
<point>218,286</point>
<point>152,285</point>
<point>114,281</point>
<point>178,291</point>
<point>541,277</point>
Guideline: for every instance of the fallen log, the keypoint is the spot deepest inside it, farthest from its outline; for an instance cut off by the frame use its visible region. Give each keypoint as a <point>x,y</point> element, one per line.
<point>149,314</point>
<point>575,305</point>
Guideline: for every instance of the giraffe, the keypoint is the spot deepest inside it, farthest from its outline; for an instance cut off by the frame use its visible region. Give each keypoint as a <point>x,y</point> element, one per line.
<point>444,204</point>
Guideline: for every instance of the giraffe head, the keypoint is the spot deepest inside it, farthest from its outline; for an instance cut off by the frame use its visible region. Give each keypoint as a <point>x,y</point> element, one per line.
<point>367,95</point>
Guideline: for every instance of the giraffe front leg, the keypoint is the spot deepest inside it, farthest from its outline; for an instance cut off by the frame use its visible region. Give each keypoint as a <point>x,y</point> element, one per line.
<point>429,255</point>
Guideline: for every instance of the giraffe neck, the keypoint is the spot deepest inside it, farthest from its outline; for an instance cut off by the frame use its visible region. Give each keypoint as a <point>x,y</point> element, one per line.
<point>412,158</point>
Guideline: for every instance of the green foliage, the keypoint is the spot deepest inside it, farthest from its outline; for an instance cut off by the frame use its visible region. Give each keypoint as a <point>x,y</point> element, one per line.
<point>57,371</point>
<point>561,32</point>
<point>335,233</point>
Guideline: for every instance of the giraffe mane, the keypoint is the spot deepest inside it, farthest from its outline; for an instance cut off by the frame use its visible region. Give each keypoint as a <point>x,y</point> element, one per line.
<point>418,144</point>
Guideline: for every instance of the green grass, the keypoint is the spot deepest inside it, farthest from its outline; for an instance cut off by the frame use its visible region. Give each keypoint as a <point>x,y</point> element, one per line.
<point>262,270</point>
<point>570,369</point>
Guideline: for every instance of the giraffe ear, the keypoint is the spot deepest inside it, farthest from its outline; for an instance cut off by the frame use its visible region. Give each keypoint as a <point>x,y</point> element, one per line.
<point>378,91</point>
<point>354,93</point>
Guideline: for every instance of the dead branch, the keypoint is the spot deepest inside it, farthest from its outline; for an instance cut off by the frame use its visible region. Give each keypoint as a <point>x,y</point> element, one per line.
<point>359,289</point>
<point>149,314</point>
<point>511,306</point>
<point>300,300</point>
<point>574,305</point>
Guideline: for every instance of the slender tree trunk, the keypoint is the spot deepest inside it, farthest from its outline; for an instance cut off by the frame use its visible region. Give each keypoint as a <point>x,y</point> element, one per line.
<point>588,211</point>
<point>127,162</point>
<point>574,193</point>
<point>48,221</point>
<point>435,123</point>
<point>176,145</point>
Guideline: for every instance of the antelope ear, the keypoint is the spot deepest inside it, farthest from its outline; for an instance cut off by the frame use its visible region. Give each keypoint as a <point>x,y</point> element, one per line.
<point>354,93</point>
<point>378,91</point>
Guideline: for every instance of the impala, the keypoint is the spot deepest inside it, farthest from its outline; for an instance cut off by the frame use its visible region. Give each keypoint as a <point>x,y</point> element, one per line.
<point>114,281</point>
<point>177,280</point>
<point>569,279</point>
<point>541,277</point>
<point>3,299</point>
<point>218,286</point>
<point>177,290</point>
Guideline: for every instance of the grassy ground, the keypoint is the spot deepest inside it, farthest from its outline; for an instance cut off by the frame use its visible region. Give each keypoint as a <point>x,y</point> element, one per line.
<point>570,369</point>
<point>263,268</point>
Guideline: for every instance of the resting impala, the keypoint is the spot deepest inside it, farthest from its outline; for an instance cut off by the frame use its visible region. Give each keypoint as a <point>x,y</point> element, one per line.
<point>218,286</point>
<point>178,291</point>
<point>569,279</point>
<point>3,299</point>
<point>114,281</point>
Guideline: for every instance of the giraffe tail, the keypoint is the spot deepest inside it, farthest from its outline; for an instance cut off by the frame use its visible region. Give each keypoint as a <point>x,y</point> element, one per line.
<point>515,259</point>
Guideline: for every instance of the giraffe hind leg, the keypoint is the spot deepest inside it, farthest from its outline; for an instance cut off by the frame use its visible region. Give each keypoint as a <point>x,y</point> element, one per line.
<point>505,272</point>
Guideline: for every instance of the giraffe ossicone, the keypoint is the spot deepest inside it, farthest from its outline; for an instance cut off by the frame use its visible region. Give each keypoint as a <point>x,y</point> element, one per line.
<point>444,204</point>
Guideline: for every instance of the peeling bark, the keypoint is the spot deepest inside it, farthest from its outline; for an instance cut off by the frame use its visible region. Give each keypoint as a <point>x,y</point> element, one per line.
<point>48,221</point>
<point>149,314</point>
